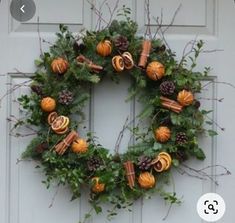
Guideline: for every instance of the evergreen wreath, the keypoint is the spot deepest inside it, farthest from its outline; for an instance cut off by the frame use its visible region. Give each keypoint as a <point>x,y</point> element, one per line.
<point>167,88</point>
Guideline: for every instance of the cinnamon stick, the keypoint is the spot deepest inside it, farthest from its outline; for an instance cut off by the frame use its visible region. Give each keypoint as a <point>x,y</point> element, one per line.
<point>171,104</point>
<point>146,47</point>
<point>171,107</point>
<point>82,59</point>
<point>62,146</point>
<point>130,173</point>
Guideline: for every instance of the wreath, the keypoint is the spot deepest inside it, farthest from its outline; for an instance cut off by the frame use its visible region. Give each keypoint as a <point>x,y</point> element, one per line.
<point>166,87</point>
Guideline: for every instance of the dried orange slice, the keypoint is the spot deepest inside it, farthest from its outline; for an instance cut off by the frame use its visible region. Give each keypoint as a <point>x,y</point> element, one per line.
<point>159,164</point>
<point>58,123</point>
<point>61,132</point>
<point>51,117</point>
<point>118,64</point>
<point>66,123</point>
<point>128,60</point>
<point>167,157</point>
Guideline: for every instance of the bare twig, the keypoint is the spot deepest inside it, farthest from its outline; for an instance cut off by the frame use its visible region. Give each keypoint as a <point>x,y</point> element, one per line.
<point>13,89</point>
<point>98,13</point>
<point>39,36</point>
<point>46,41</point>
<point>202,174</point>
<point>13,119</point>
<point>191,44</point>
<point>161,33</point>
<point>112,12</point>
<point>212,51</point>
<point>217,125</point>
<point>120,136</point>
<point>170,206</point>
<point>159,23</point>
<point>218,82</point>
<point>148,28</point>
<point>173,19</point>
<point>211,99</point>
<point>160,29</point>
<point>54,196</point>
<point>168,212</point>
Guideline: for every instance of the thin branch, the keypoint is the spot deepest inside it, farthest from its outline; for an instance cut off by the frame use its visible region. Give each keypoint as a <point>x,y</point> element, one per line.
<point>13,89</point>
<point>186,53</point>
<point>112,12</point>
<point>217,125</point>
<point>54,196</point>
<point>219,82</point>
<point>161,31</point>
<point>202,174</point>
<point>16,121</point>
<point>98,13</point>
<point>173,18</point>
<point>148,28</point>
<point>18,161</point>
<point>170,206</point>
<point>39,36</point>
<point>160,25</point>
<point>168,212</point>
<point>211,99</point>
<point>120,136</point>
<point>212,51</point>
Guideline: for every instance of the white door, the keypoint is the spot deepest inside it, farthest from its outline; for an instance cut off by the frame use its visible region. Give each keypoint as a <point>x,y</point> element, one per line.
<point>23,199</point>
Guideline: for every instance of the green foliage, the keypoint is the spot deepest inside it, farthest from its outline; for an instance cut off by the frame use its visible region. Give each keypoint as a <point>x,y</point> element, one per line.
<point>71,168</point>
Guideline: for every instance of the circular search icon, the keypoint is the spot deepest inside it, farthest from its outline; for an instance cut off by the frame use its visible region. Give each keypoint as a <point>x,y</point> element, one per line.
<point>211,207</point>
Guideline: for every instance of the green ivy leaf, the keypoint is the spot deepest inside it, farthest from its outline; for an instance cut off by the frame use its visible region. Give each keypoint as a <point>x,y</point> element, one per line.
<point>212,133</point>
<point>199,154</point>
<point>157,146</point>
<point>175,162</point>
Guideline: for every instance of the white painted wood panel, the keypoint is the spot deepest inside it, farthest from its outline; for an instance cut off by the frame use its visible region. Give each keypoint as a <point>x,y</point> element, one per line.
<point>193,17</point>
<point>49,14</point>
<point>54,11</point>
<point>192,13</point>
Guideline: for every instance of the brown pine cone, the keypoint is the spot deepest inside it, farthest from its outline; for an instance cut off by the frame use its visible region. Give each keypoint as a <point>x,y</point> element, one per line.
<point>65,97</point>
<point>167,88</point>
<point>94,163</point>
<point>121,43</point>
<point>144,162</point>
<point>37,89</point>
<point>181,155</point>
<point>41,147</point>
<point>181,138</point>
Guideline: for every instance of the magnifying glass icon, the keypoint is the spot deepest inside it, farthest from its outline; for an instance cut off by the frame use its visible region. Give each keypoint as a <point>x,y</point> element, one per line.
<point>211,207</point>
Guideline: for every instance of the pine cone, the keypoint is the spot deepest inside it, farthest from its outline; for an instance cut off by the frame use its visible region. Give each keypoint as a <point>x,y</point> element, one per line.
<point>41,147</point>
<point>144,162</point>
<point>65,97</point>
<point>94,163</point>
<point>181,138</point>
<point>121,43</point>
<point>160,49</point>
<point>166,121</point>
<point>181,155</point>
<point>79,47</point>
<point>37,89</point>
<point>197,104</point>
<point>167,88</point>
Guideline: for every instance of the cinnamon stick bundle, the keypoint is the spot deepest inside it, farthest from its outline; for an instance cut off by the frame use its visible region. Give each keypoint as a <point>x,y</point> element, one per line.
<point>130,173</point>
<point>146,47</point>
<point>171,104</point>
<point>62,146</point>
<point>82,59</point>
